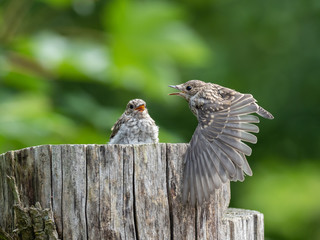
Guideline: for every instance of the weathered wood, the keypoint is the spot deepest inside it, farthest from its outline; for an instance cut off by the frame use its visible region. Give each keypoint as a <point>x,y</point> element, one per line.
<point>56,181</point>
<point>182,217</point>
<point>188,222</point>
<point>42,163</point>
<point>111,193</point>
<point>150,192</point>
<point>128,194</point>
<point>30,222</point>
<point>24,173</point>
<point>6,195</point>
<point>93,192</point>
<point>74,192</point>
<point>241,224</point>
<point>118,192</point>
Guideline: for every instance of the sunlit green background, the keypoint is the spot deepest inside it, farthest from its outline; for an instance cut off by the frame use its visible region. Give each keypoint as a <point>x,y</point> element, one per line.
<point>69,67</point>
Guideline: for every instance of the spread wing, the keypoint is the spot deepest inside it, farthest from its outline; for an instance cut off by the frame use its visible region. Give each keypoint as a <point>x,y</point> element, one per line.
<point>216,153</point>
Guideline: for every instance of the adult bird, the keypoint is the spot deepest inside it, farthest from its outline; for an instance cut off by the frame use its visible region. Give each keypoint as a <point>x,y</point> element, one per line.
<point>216,152</point>
<point>135,125</point>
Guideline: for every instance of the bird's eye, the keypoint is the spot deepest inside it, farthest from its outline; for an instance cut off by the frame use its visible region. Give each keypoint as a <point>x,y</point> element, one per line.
<point>188,88</point>
<point>131,106</point>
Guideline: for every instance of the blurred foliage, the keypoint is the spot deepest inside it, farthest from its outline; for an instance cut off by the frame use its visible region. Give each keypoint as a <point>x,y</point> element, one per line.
<point>69,67</point>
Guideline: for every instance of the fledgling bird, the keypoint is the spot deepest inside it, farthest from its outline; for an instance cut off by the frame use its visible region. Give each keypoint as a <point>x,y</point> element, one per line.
<point>135,125</point>
<point>216,152</point>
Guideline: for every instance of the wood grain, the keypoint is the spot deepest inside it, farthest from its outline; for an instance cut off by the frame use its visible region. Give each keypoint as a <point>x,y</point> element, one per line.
<point>118,192</point>
<point>93,192</point>
<point>6,195</point>
<point>57,187</point>
<point>150,191</point>
<point>241,224</point>
<point>74,192</point>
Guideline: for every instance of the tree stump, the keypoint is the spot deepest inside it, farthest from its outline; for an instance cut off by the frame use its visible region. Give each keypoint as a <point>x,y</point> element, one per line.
<point>118,192</point>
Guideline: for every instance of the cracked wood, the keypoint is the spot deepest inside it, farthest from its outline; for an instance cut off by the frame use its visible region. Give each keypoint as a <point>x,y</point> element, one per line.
<point>118,192</point>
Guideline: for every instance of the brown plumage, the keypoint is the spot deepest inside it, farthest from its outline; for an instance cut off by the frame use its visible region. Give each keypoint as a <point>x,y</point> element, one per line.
<point>135,125</point>
<point>216,153</point>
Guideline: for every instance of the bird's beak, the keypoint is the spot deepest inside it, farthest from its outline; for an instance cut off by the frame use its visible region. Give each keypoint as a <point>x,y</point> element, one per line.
<point>141,108</point>
<point>178,88</point>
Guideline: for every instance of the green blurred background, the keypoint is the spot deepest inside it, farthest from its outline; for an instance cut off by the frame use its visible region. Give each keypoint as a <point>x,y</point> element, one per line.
<point>69,67</point>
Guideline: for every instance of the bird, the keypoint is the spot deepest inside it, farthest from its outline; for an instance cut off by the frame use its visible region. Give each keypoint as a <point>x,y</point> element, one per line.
<point>135,126</point>
<point>216,153</point>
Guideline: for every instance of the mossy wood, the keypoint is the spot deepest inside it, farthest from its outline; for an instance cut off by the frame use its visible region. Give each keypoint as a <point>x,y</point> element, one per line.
<point>117,192</point>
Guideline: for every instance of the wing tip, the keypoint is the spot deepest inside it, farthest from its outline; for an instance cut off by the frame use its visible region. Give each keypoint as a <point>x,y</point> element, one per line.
<point>264,113</point>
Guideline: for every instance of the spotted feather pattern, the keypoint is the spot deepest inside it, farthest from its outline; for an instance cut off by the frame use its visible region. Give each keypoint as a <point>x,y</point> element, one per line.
<point>217,152</point>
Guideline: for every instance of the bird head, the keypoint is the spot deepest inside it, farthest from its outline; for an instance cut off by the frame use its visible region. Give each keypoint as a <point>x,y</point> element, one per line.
<point>136,106</point>
<point>188,89</point>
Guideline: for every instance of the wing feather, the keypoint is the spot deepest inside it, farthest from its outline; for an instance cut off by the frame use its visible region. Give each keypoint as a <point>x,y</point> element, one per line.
<point>217,153</point>
<point>233,154</point>
<point>115,128</point>
<point>244,110</point>
<point>224,159</point>
<point>246,168</point>
<point>244,136</point>
<point>198,184</point>
<point>193,189</point>
<point>244,101</point>
<point>187,177</point>
<point>239,176</point>
<point>244,118</point>
<point>203,177</point>
<point>237,144</point>
<point>242,126</point>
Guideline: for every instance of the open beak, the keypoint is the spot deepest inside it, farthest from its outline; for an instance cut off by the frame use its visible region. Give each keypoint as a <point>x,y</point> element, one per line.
<point>141,108</point>
<point>175,87</point>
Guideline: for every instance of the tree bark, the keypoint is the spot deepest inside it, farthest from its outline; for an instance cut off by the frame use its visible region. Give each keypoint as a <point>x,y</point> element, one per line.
<point>118,192</point>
